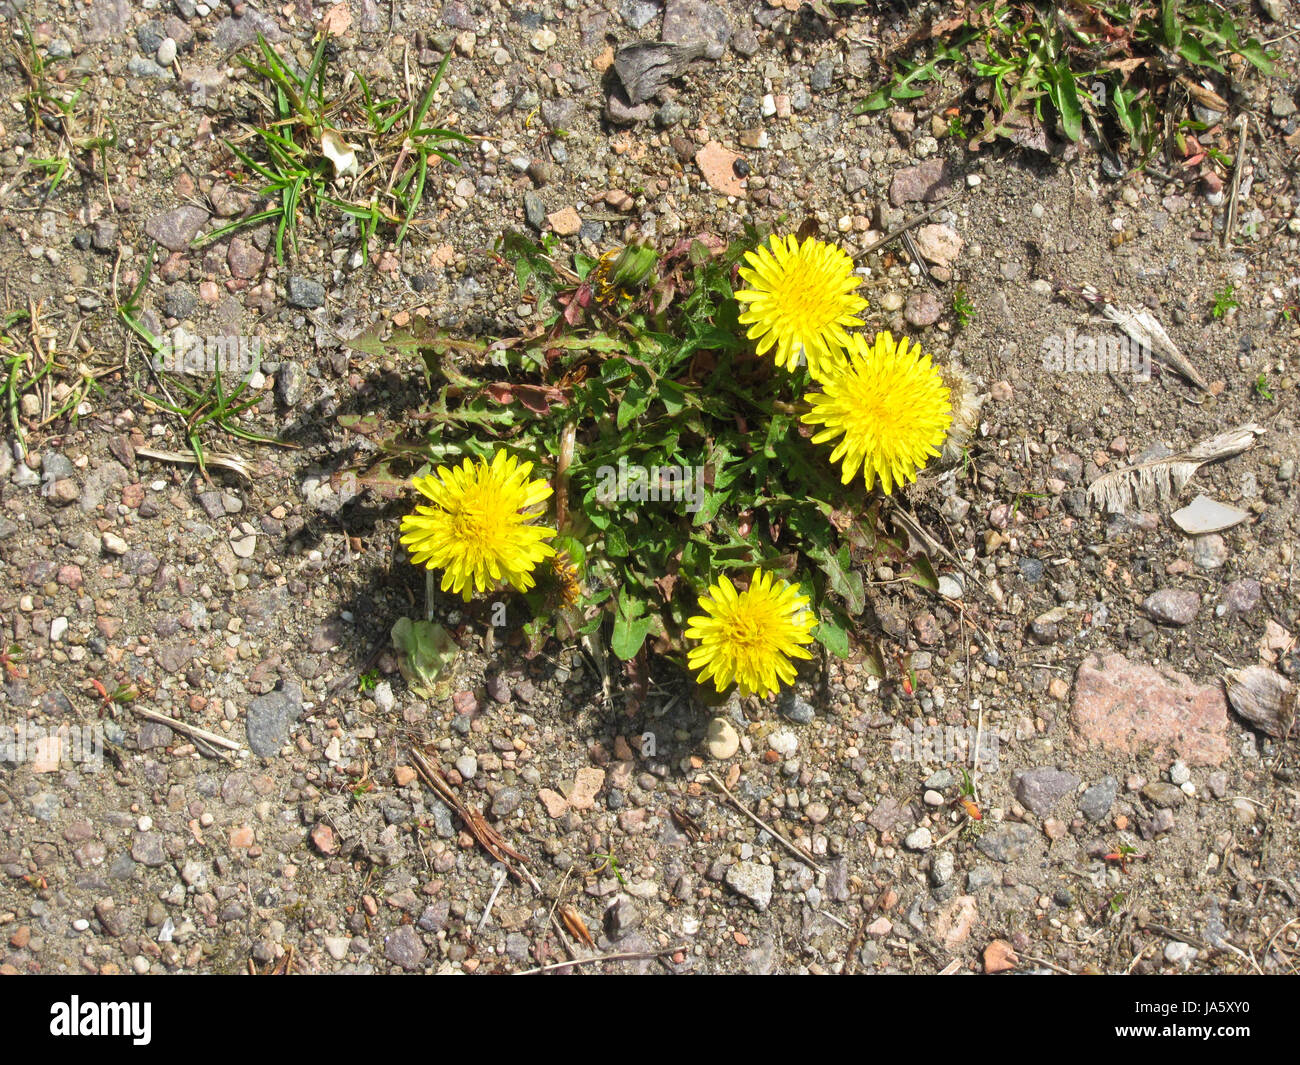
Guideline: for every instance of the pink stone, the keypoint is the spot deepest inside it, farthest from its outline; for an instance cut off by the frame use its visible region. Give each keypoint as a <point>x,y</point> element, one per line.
<point>954,922</point>
<point>1127,706</point>
<point>718,165</point>
<point>566,222</point>
<point>555,803</point>
<point>586,786</point>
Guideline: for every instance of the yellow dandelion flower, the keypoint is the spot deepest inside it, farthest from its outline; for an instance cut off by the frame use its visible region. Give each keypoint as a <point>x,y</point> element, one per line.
<point>892,407</point>
<point>479,529</point>
<point>800,300</point>
<point>750,636</point>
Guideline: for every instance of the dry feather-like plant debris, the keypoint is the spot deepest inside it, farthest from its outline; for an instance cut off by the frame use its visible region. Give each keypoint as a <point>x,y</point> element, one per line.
<point>1263,697</point>
<point>1142,327</point>
<point>1160,479</point>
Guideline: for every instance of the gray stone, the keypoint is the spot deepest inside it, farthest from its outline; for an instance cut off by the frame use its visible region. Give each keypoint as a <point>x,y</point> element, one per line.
<point>175,229</point>
<point>140,67</point>
<point>306,293</point>
<point>147,849</point>
<point>103,235</point>
<point>46,805</point>
<point>942,867</point>
<point>922,309</point>
<point>506,801</point>
<point>744,42</point>
<point>919,839</point>
<point>795,707</point>
<point>404,948</point>
<point>179,301</point>
<point>622,113</point>
<point>1173,606</point>
<point>622,917</point>
<point>646,67</point>
<point>1042,788</point>
<point>927,182</point>
<point>856,178</point>
<point>456,16</point>
<point>1164,795</point>
<point>638,13</point>
<point>1095,803</point>
<point>1006,843</point>
<point>889,815</point>
<point>559,113</point>
<point>1239,597</point>
<point>692,22</point>
<point>290,381</point>
<point>534,211</point>
<point>235,33</point>
<point>1209,552</point>
<point>269,718</point>
<point>434,916</point>
<point>102,20</point>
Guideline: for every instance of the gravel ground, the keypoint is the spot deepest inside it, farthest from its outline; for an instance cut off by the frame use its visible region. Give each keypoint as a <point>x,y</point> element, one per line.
<point>1132,820</point>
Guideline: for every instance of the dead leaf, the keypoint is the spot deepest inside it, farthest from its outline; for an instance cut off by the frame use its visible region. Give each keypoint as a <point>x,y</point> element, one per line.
<point>576,926</point>
<point>1206,97</point>
<point>686,824</point>
<point>536,398</point>
<point>1263,697</point>
<point>340,153</point>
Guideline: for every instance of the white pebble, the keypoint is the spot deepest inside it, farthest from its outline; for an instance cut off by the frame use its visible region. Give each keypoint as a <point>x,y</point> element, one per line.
<point>166,52</point>
<point>57,628</point>
<point>80,924</point>
<point>1179,773</point>
<point>145,823</point>
<point>973,181</point>
<point>920,840</point>
<point>784,743</point>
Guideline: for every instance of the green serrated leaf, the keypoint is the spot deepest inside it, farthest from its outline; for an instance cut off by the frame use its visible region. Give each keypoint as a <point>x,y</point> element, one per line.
<point>630,627</point>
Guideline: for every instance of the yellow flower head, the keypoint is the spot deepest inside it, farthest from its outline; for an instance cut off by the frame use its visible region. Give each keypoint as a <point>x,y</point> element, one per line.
<point>890,404</point>
<point>479,528</point>
<point>801,300</point>
<point>750,636</point>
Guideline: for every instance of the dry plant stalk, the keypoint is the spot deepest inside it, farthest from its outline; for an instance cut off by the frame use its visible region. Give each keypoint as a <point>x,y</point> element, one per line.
<point>475,823</point>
